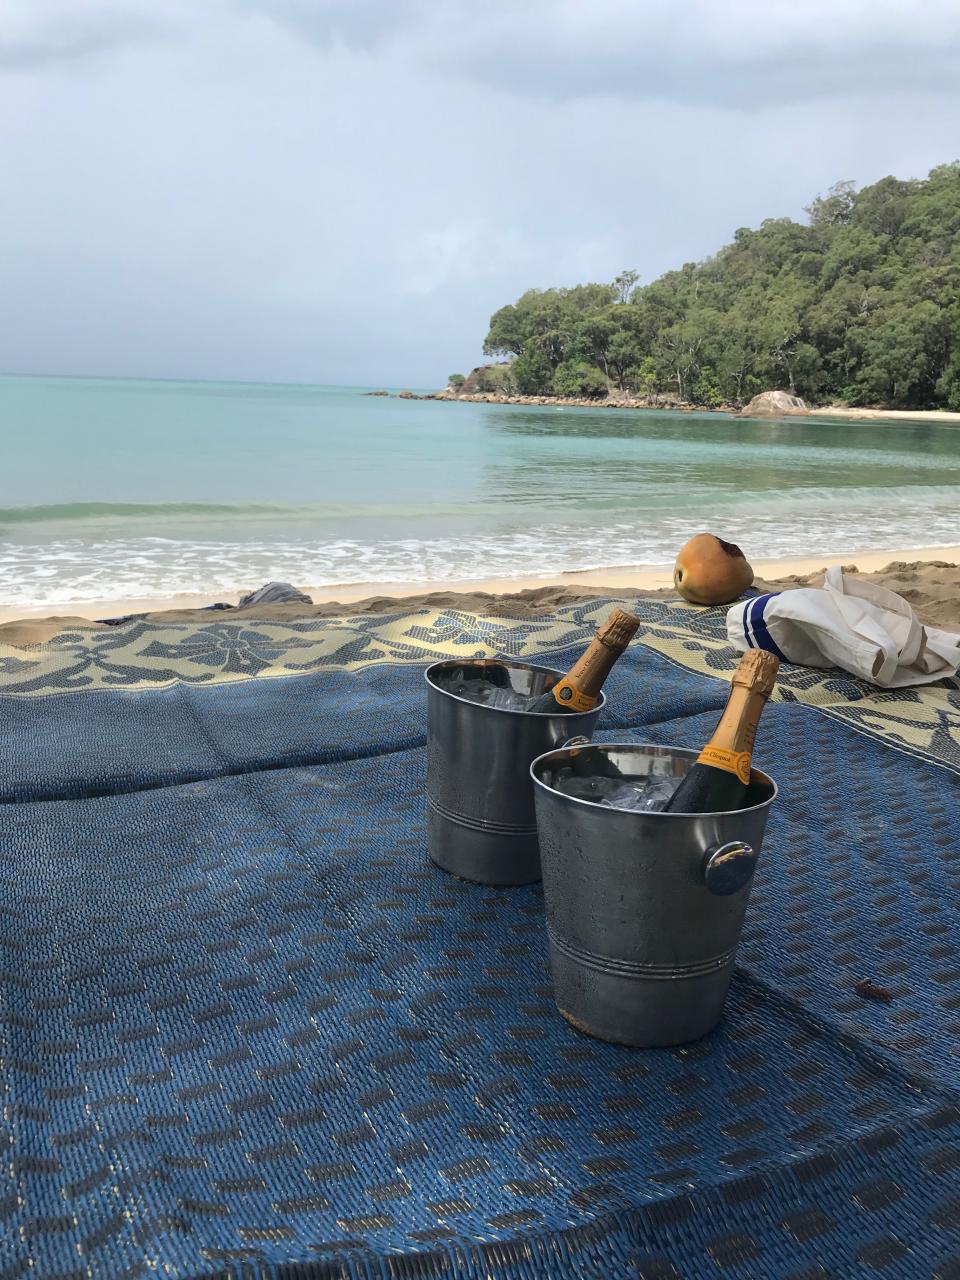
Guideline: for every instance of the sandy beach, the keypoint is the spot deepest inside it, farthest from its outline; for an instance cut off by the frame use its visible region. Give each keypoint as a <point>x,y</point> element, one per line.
<point>928,577</point>
<point>884,415</point>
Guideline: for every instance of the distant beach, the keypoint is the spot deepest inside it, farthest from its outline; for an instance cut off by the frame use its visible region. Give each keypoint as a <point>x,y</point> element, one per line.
<point>615,401</point>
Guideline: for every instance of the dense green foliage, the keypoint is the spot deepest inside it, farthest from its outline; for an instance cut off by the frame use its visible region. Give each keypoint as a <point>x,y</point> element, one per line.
<point>496,379</point>
<point>860,305</point>
<point>577,378</point>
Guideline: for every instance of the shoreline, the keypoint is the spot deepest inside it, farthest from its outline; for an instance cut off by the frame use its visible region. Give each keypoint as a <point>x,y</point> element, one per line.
<point>844,413</point>
<point>597,581</point>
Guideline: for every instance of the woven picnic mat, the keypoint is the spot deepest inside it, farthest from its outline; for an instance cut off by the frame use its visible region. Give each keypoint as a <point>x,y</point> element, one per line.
<point>247,1028</point>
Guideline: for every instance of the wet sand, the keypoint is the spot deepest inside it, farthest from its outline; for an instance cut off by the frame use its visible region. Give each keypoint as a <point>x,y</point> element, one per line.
<point>929,579</point>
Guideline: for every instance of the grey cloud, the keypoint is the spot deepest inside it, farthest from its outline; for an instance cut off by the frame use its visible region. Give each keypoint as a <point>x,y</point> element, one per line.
<point>739,53</point>
<point>44,34</point>
<point>694,77</point>
<point>360,25</point>
<point>746,54</point>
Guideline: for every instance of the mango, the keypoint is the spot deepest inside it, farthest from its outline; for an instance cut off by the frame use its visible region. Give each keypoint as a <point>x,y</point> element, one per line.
<point>709,570</point>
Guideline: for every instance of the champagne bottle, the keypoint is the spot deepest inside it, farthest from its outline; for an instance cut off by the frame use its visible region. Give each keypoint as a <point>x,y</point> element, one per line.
<point>718,780</point>
<point>579,690</point>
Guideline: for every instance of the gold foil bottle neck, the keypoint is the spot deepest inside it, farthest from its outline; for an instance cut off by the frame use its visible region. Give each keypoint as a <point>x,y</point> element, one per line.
<point>619,629</point>
<point>757,671</point>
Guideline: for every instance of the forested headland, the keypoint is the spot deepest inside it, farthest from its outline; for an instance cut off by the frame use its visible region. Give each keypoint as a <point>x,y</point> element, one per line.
<point>860,305</point>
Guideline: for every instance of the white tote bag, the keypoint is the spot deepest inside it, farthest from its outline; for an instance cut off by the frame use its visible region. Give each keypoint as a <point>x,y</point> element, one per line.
<point>865,629</point>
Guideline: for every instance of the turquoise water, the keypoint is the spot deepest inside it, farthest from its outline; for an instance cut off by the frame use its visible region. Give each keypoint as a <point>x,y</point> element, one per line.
<point>113,488</point>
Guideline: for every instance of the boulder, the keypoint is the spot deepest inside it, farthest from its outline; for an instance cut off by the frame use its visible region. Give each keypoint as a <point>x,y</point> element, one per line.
<point>773,404</point>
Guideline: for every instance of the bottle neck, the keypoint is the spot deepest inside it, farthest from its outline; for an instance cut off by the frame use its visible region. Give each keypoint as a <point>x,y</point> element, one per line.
<point>731,744</point>
<point>737,727</point>
<point>579,690</point>
<point>591,669</point>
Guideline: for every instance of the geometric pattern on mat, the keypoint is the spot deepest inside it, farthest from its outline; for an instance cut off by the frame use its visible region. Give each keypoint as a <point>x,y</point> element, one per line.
<point>139,655</point>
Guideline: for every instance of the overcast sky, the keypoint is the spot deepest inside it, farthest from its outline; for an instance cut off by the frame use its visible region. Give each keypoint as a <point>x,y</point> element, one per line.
<point>344,190</point>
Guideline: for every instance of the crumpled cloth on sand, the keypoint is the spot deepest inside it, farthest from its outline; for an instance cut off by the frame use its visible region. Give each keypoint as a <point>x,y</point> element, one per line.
<point>274,593</point>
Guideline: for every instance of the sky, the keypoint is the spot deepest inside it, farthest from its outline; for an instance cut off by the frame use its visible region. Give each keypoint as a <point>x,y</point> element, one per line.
<point>343,191</point>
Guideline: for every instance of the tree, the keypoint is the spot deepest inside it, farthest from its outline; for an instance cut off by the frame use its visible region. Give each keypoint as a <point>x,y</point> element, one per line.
<point>882,207</point>
<point>495,379</point>
<point>591,339</point>
<point>782,335</point>
<point>532,374</point>
<point>835,207</point>
<point>706,389</point>
<point>508,334</point>
<point>577,378</point>
<point>456,380</point>
<point>623,284</point>
<point>678,349</point>
<point>623,353</point>
<point>643,379</point>
<point>902,353</point>
<point>948,386</point>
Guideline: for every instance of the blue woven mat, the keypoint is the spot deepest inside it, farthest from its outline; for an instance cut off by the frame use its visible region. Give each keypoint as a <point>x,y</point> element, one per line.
<point>246,1028</point>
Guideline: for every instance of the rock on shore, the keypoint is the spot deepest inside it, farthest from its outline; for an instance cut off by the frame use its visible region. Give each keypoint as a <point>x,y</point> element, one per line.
<point>773,404</point>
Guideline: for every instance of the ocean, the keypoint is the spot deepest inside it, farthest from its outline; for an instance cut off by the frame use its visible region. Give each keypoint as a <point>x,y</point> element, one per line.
<point>113,488</point>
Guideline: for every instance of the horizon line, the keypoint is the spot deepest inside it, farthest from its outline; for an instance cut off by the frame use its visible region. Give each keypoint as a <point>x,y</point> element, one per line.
<point>242,382</point>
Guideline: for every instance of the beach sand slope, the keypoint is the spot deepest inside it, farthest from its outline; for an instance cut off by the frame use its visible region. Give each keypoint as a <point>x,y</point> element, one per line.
<point>932,586</point>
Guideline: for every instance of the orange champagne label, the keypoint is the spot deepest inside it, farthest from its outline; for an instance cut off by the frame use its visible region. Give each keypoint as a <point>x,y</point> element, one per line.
<point>737,762</point>
<point>574,698</point>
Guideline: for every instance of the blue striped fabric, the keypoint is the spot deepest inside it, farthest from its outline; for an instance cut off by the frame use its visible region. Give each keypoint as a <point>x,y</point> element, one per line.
<point>755,629</point>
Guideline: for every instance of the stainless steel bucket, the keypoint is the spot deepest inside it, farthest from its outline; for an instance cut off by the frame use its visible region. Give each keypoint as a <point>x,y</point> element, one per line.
<point>482,823</point>
<point>644,910</point>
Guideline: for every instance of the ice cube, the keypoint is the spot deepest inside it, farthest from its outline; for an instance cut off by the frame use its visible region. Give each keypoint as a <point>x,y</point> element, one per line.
<point>508,700</point>
<point>492,693</point>
<point>651,798</point>
<point>638,795</point>
<point>579,788</point>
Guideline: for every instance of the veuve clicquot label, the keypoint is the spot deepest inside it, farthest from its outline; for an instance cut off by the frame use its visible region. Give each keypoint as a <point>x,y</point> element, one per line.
<point>738,762</point>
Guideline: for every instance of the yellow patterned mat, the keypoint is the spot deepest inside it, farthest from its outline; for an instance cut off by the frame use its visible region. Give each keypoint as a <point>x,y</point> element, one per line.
<point>139,655</point>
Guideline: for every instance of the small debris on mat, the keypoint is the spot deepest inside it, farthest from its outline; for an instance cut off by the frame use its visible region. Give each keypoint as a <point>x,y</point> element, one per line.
<point>870,991</point>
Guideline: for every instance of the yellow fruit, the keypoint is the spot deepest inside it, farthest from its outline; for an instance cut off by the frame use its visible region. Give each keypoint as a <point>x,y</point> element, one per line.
<point>711,571</point>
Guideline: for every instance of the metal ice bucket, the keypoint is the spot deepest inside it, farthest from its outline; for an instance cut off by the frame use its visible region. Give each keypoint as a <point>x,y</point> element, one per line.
<point>644,910</point>
<point>482,823</point>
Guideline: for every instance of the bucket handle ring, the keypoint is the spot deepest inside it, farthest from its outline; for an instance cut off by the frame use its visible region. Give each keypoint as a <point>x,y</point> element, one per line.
<point>728,867</point>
